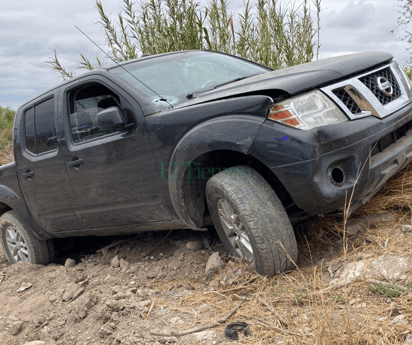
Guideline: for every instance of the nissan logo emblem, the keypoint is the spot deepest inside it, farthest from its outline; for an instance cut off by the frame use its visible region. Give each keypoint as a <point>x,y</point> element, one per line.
<point>384,86</point>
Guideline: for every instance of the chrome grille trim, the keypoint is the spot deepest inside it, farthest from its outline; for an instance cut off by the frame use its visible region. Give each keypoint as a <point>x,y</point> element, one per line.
<point>368,96</point>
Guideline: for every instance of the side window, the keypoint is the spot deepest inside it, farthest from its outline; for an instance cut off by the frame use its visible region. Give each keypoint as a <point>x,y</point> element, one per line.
<point>40,128</point>
<point>85,104</point>
<point>29,126</point>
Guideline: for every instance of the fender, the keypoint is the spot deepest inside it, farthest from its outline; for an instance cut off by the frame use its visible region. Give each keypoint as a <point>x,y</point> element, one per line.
<point>232,132</point>
<point>18,205</point>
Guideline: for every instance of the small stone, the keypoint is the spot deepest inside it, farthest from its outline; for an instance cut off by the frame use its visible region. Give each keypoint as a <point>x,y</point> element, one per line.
<point>123,264</point>
<point>24,286</point>
<point>405,228</point>
<point>70,263</point>
<point>115,262</point>
<point>113,304</point>
<point>36,342</point>
<point>72,292</point>
<point>167,340</point>
<point>399,320</point>
<point>16,328</point>
<point>194,245</point>
<point>214,264</point>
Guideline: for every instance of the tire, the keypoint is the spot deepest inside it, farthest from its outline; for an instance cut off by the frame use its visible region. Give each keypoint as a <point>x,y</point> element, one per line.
<point>28,248</point>
<point>251,221</point>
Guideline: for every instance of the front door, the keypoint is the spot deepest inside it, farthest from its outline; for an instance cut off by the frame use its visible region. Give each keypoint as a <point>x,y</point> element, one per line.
<point>112,172</point>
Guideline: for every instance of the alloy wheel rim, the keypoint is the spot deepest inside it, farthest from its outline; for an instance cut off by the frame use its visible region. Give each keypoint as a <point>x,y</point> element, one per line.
<point>235,231</point>
<point>16,245</point>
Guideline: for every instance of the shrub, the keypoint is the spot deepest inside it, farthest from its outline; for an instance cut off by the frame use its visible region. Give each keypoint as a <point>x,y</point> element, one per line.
<point>269,34</point>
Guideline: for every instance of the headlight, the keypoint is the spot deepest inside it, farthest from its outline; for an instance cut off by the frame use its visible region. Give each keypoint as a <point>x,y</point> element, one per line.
<point>307,111</point>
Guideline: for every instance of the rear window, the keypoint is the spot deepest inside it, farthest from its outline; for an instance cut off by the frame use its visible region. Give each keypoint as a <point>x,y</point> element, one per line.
<point>40,129</point>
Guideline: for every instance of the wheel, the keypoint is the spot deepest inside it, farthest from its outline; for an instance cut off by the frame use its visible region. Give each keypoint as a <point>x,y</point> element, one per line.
<point>19,243</point>
<point>251,221</point>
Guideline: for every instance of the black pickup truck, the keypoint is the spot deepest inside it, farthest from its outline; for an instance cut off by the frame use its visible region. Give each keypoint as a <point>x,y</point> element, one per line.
<point>198,138</point>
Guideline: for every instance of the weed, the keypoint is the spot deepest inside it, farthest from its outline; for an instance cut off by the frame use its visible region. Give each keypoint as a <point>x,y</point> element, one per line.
<point>387,290</point>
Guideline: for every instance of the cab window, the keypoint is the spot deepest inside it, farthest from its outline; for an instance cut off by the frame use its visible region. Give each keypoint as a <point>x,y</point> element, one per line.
<point>40,130</point>
<point>85,103</point>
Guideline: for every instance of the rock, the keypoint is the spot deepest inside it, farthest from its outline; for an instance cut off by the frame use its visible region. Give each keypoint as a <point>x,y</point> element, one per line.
<point>35,342</point>
<point>113,304</point>
<point>91,300</point>
<point>399,320</point>
<point>123,263</point>
<point>408,339</point>
<point>119,296</point>
<point>194,245</point>
<point>405,228</point>
<point>72,292</point>
<point>24,286</point>
<point>129,294</point>
<point>70,263</point>
<point>115,262</point>
<point>205,337</point>
<point>16,327</point>
<point>354,226</point>
<point>168,340</point>
<point>106,330</point>
<point>214,264</point>
<point>387,267</point>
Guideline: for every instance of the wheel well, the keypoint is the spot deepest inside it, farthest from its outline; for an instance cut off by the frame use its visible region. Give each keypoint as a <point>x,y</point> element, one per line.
<point>205,166</point>
<point>4,208</point>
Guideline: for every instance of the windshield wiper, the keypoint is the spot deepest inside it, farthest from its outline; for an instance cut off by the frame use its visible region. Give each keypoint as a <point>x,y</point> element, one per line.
<point>190,95</point>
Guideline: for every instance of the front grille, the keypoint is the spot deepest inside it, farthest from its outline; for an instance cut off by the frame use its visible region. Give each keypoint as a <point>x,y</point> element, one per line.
<point>390,138</point>
<point>347,101</point>
<point>371,84</point>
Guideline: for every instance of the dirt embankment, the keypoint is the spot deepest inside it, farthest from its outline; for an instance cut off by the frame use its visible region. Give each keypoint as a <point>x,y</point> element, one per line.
<point>352,285</point>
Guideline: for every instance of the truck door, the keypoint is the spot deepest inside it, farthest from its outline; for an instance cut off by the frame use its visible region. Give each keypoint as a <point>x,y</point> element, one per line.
<point>41,168</point>
<point>112,172</point>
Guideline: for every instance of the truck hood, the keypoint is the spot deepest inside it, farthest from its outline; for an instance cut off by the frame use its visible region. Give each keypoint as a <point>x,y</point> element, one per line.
<point>297,79</point>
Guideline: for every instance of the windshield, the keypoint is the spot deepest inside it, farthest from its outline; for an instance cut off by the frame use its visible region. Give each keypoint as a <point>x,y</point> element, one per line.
<point>177,77</point>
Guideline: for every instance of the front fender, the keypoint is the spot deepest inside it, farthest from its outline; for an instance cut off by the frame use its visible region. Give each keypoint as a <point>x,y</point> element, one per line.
<point>234,132</point>
<point>18,205</point>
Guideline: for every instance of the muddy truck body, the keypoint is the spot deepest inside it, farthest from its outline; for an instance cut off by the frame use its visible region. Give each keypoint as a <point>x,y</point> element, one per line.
<point>196,138</point>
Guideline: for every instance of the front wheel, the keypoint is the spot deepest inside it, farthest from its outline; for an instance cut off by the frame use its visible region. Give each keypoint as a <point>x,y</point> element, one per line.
<point>19,243</point>
<point>251,221</point>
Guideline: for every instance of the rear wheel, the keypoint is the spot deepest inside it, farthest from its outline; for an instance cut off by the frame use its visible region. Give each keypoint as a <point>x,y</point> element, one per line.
<point>19,243</point>
<point>251,221</point>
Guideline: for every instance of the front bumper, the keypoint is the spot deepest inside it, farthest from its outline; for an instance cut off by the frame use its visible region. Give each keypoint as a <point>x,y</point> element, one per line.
<point>349,149</point>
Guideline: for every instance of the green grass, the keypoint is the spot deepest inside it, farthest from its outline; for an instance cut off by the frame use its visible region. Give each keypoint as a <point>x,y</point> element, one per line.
<point>390,291</point>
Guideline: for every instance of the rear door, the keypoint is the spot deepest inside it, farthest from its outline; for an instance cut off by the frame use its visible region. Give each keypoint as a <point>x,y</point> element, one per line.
<point>113,173</point>
<point>41,168</point>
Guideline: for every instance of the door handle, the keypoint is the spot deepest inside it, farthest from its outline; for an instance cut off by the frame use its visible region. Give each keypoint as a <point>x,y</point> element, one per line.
<point>28,174</point>
<point>74,163</point>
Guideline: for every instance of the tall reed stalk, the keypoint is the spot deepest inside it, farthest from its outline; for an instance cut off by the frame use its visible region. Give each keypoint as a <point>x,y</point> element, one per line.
<point>268,33</point>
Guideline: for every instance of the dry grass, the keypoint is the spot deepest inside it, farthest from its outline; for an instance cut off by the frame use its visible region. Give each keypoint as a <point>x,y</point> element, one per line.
<point>290,309</point>
<point>6,155</point>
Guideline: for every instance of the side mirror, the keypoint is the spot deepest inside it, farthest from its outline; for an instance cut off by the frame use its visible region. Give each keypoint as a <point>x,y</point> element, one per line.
<point>110,118</point>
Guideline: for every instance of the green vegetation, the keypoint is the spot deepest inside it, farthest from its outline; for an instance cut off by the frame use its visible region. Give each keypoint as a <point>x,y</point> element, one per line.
<point>390,291</point>
<point>6,127</point>
<point>268,33</point>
